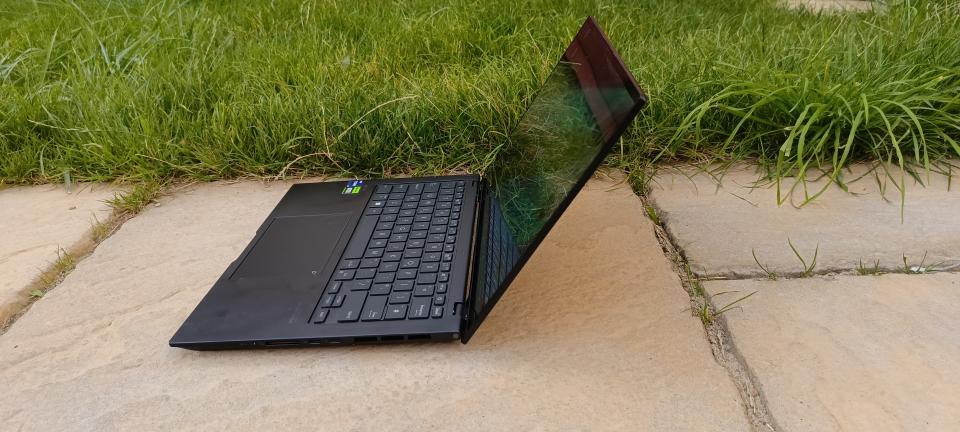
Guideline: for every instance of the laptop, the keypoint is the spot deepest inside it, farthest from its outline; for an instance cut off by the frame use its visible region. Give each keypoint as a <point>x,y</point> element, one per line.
<point>420,259</point>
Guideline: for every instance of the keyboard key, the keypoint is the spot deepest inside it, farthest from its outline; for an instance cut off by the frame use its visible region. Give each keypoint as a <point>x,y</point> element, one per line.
<point>350,312</point>
<point>448,247</point>
<point>379,197</point>
<point>411,199</point>
<point>437,312</point>
<point>398,237</point>
<point>396,247</point>
<point>438,229</point>
<point>349,264</point>
<point>369,262</point>
<point>412,253</point>
<point>451,239</point>
<point>388,218</point>
<point>418,235</point>
<point>366,273</point>
<point>410,263</point>
<point>327,300</point>
<point>374,253</point>
<point>421,218</point>
<point>334,287</point>
<point>395,312</point>
<point>344,275</point>
<point>373,211</point>
<point>445,267</point>
<point>407,213</point>
<point>433,247</point>
<point>401,229</point>
<point>409,206</point>
<point>400,188</point>
<point>420,308</point>
<point>447,257</point>
<point>415,244</point>
<point>392,256</point>
<point>439,220</point>
<point>384,226</point>
<point>430,195</point>
<point>431,257</point>
<point>406,274</point>
<point>391,267</point>
<point>435,238</point>
<point>423,291</point>
<point>320,316</point>
<point>404,220</point>
<point>427,202</point>
<point>446,185</point>
<point>438,300</point>
<point>431,187</point>
<point>400,297</point>
<point>389,211</point>
<point>416,188</point>
<point>429,268</point>
<point>427,278</point>
<point>380,289</point>
<point>382,189</point>
<point>405,285</point>
<point>425,210</point>
<point>441,288</point>
<point>394,203</point>
<point>357,285</point>
<point>338,301</point>
<point>382,234</point>
<point>420,226</point>
<point>378,243</point>
<point>373,309</point>
<point>383,278</point>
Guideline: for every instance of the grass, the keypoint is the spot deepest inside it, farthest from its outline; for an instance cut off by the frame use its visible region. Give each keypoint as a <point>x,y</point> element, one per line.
<point>143,90</point>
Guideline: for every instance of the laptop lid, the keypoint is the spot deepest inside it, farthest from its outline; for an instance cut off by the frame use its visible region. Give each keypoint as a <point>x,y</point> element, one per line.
<point>581,110</point>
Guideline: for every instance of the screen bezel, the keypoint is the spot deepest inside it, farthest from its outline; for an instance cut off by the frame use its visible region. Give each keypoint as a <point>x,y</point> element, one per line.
<point>587,33</point>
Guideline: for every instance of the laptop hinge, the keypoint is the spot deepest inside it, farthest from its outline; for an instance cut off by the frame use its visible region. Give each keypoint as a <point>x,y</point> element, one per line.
<point>466,307</point>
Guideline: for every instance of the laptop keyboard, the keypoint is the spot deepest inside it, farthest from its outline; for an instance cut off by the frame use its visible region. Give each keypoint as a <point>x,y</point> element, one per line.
<point>398,262</point>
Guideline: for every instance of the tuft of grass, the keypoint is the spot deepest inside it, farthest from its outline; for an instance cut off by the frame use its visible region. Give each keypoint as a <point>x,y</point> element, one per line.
<point>652,214</point>
<point>917,269</point>
<point>64,264</point>
<point>766,270</point>
<point>134,201</point>
<point>807,268</point>
<point>157,89</point>
<point>863,270</point>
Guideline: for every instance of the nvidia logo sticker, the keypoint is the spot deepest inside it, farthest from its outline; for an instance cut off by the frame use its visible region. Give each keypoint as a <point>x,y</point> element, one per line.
<point>353,187</point>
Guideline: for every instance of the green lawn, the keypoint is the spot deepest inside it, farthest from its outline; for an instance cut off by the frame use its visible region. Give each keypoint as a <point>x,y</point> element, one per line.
<point>141,90</point>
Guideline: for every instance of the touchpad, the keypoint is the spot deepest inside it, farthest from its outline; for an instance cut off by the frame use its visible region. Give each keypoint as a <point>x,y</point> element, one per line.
<point>294,246</point>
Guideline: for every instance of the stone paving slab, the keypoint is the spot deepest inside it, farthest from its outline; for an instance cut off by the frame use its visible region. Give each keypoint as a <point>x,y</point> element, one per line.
<point>854,353</point>
<point>595,334</point>
<point>718,227</point>
<point>35,223</point>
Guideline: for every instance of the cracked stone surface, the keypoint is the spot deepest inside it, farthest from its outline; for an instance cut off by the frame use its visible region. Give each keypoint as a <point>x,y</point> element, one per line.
<point>720,221</point>
<point>35,223</point>
<point>596,334</point>
<point>854,353</point>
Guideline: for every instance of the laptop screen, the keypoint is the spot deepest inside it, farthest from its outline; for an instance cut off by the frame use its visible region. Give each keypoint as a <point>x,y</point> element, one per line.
<point>580,111</point>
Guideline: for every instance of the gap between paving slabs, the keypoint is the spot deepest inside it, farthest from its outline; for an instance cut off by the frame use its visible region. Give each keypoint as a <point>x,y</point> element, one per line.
<point>715,329</point>
<point>124,205</point>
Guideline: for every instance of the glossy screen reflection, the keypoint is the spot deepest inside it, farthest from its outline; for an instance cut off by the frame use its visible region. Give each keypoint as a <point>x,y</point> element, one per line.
<point>551,150</point>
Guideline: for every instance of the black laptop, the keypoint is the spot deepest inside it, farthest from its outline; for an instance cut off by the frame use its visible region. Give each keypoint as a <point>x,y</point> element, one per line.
<point>372,261</point>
